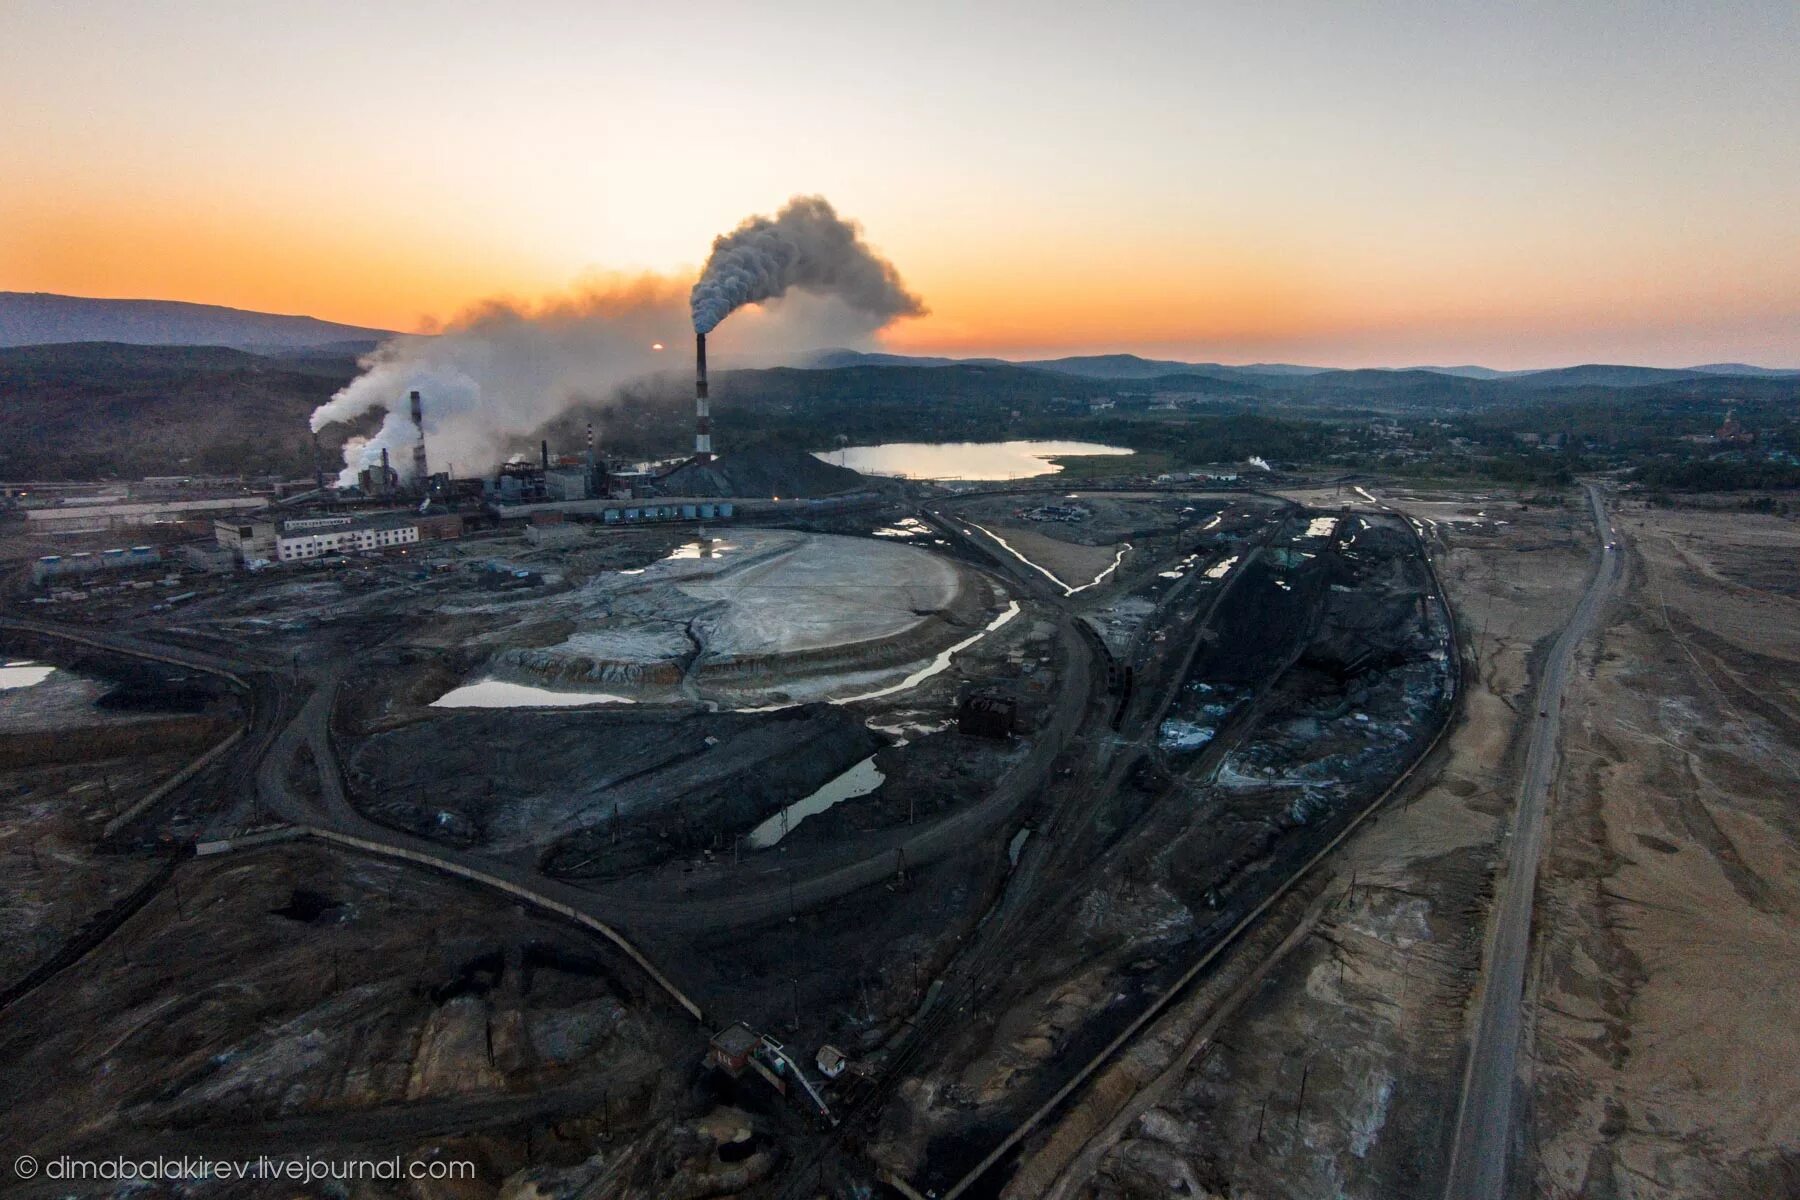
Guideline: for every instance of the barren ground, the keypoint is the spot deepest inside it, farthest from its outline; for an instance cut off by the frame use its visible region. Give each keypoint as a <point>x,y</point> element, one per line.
<point>1668,975</point>
<point>1339,1076</point>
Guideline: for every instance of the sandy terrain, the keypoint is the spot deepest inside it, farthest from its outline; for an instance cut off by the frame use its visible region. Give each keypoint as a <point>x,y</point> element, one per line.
<point>1339,1077</point>
<point>1666,1049</point>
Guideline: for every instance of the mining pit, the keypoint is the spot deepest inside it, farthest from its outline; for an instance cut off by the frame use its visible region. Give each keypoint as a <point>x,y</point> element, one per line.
<point>958,785</point>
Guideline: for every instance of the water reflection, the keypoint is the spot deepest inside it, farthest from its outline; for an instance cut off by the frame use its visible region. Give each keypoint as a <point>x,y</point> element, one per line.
<point>859,780</point>
<point>963,460</point>
<point>23,674</point>
<point>498,693</point>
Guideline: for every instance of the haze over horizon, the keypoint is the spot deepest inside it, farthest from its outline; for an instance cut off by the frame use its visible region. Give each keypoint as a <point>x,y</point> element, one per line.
<point>1377,185</point>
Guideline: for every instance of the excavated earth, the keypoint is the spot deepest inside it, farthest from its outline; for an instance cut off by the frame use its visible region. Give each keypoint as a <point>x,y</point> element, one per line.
<point>341,1006</point>
<point>1339,1075</point>
<point>1327,676</point>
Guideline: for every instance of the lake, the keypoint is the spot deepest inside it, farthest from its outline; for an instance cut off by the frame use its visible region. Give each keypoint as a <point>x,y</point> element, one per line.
<point>962,460</point>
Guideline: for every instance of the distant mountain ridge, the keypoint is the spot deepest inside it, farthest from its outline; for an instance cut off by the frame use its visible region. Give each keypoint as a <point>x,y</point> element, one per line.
<point>1088,366</point>
<point>1131,366</point>
<point>44,318</point>
<point>96,410</point>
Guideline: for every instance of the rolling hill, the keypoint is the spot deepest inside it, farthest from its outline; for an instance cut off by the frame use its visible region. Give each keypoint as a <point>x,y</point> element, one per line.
<point>88,410</point>
<point>43,318</point>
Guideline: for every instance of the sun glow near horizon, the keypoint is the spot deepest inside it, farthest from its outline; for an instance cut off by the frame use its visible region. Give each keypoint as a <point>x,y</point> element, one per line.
<point>1355,189</point>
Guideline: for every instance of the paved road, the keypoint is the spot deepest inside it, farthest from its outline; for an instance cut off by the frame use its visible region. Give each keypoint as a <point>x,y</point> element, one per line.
<point>1484,1126</point>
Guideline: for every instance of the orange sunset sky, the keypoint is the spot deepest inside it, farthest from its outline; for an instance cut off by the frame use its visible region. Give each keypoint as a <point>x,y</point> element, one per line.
<point>1351,184</point>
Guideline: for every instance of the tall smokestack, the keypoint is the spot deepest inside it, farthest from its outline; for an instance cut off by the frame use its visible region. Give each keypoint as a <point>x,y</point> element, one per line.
<point>544,453</point>
<point>387,474</point>
<point>702,413</point>
<point>418,416</point>
<point>318,463</point>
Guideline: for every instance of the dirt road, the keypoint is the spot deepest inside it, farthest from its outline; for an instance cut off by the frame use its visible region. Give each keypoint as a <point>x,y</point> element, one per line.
<point>1484,1127</point>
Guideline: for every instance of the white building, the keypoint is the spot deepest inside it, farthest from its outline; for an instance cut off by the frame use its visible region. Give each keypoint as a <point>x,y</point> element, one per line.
<point>350,538</point>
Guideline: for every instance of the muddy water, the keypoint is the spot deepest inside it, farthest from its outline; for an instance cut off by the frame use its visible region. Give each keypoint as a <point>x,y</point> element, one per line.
<point>859,780</point>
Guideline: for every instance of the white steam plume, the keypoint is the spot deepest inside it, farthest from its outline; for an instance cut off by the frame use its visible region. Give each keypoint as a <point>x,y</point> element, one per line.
<point>807,246</point>
<point>501,371</point>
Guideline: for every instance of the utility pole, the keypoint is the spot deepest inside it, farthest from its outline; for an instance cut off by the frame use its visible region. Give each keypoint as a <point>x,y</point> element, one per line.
<point>1305,1070</point>
<point>792,912</point>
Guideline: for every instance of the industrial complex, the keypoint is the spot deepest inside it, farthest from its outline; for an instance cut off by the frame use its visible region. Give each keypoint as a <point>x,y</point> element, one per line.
<point>808,764</point>
<point>740,824</point>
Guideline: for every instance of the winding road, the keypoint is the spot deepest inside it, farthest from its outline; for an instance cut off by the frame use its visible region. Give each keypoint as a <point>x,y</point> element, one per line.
<point>1482,1150</point>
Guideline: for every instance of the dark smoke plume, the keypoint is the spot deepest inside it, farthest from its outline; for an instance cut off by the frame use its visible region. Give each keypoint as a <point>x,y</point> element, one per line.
<point>807,246</point>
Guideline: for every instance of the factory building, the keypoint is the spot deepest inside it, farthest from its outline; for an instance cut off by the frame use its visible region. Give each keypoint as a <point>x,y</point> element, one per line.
<point>347,535</point>
<point>568,483</point>
<point>439,527</point>
<point>247,539</point>
<point>306,538</point>
<point>692,511</point>
<point>101,518</point>
<point>61,566</point>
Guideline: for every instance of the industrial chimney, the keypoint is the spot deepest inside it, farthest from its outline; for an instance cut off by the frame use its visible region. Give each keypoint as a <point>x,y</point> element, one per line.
<point>418,415</point>
<point>702,414</point>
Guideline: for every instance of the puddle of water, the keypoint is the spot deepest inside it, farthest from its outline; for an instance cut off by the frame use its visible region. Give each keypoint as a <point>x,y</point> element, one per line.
<point>1014,847</point>
<point>1180,568</point>
<point>1067,590</point>
<point>859,780</point>
<point>24,674</point>
<point>708,549</point>
<point>907,527</point>
<point>498,693</point>
<point>904,732</point>
<point>1221,569</point>
<point>712,548</point>
<point>938,664</point>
